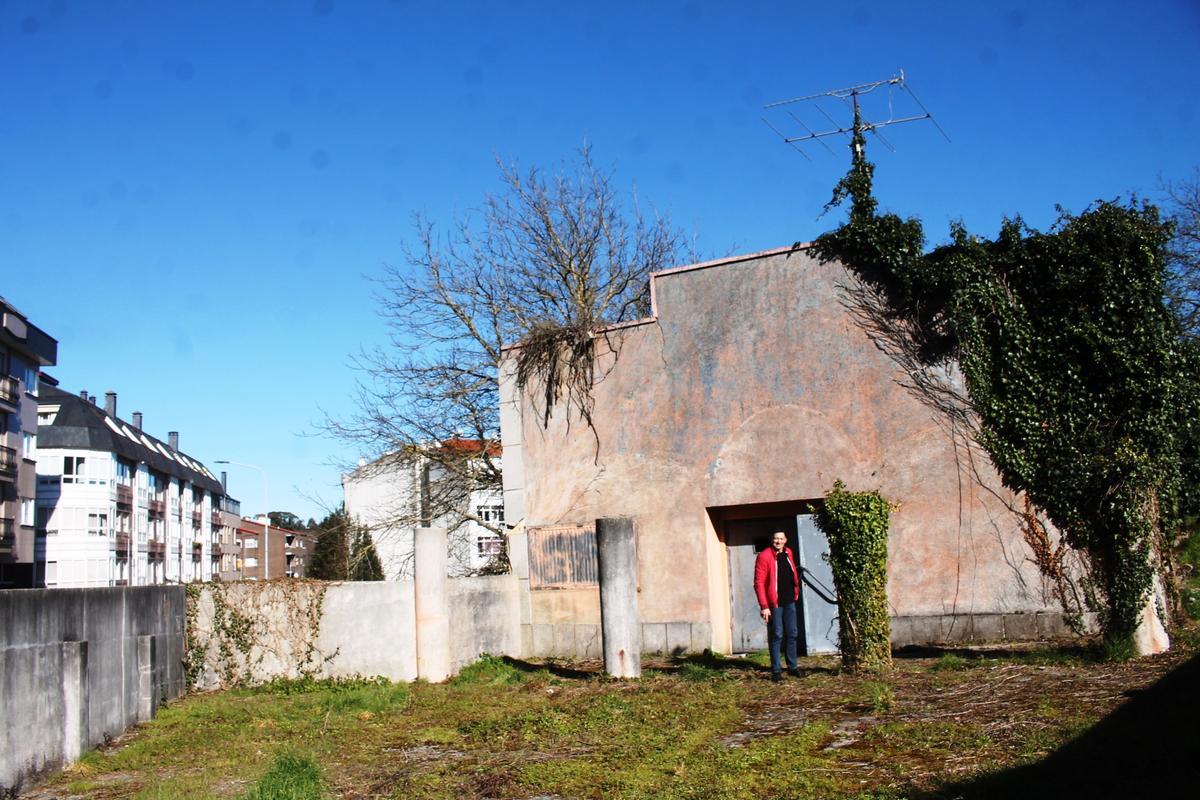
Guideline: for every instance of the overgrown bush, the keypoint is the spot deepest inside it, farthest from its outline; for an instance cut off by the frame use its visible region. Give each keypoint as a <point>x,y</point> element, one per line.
<point>856,525</point>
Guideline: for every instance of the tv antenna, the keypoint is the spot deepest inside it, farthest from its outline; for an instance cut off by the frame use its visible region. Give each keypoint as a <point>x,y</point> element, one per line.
<point>895,86</point>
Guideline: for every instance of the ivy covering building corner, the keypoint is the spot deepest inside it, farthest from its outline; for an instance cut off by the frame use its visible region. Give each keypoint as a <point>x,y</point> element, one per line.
<point>1079,385</point>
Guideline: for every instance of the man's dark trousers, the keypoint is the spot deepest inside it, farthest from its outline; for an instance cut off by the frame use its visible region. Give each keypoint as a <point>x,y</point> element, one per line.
<point>782,630</point>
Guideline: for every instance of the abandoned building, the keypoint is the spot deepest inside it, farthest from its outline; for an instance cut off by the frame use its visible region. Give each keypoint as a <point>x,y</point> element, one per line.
<point>722,417</point>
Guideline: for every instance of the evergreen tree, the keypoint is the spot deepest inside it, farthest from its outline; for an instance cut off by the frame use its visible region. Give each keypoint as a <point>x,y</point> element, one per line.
<point>364,559</point>
<point>331,556</point>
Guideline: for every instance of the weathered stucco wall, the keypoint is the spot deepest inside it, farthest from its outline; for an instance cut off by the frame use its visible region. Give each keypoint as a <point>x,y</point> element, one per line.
<point>484,618</point>
<point>77,665</point>
<point>753,385</point>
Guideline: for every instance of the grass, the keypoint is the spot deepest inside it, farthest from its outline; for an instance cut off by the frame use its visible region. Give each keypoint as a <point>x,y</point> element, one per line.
<point>290,777</point>
<point>699,726</point>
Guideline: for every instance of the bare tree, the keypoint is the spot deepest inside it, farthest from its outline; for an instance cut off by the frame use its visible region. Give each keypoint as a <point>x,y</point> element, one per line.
<point>1183,253</point>
<point>551,258</point>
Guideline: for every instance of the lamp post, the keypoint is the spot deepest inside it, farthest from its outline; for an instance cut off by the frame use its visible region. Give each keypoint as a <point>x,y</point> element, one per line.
<point>266,514</point>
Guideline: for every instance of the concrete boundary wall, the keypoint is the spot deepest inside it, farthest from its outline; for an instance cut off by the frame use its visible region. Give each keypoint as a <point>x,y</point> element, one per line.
<point>78,665</point>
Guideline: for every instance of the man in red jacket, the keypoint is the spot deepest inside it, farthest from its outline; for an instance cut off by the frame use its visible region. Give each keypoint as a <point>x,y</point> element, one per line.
<point>777,585</point>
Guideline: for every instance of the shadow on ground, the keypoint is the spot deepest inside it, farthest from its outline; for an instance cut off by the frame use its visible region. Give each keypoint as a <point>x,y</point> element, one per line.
<point>1148,747</point>
<point>669,665</point>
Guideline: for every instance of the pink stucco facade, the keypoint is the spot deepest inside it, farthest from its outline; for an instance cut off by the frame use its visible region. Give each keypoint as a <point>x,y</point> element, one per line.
<point>751,385</point>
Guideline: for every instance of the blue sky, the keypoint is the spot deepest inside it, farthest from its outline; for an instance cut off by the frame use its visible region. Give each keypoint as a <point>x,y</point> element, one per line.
<point>195,195</point>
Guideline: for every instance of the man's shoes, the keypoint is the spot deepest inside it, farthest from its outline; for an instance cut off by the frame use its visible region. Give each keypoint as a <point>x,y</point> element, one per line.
<point>776,677</point>
<point>794,672</point>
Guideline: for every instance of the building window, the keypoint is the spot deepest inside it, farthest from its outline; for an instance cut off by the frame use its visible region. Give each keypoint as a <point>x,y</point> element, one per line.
<point>30,374</point>
<point>250,544</point>
<point>489,546</point>
<point>29,445</point>
<point>51,573</point>
<point>74,469</point>
<point>492,514</point>
<point>27,511</point>
<point>98,524</point>
<point>124,472</point>
<point>251,561</point>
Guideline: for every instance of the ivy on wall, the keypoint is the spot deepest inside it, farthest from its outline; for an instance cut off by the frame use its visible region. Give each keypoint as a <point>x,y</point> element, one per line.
<point>856,526</point>
<point>1083,391</point>
<point>231,629</point>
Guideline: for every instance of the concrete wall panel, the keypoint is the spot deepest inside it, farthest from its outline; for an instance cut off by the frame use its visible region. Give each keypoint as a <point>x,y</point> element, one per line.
<point>53,706</point>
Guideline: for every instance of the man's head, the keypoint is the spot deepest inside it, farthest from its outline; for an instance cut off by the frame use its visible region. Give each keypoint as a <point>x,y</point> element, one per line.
<point>779,541</point>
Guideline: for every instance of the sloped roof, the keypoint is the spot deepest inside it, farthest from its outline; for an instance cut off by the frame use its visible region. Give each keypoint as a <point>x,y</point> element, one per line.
<point>83,425</point>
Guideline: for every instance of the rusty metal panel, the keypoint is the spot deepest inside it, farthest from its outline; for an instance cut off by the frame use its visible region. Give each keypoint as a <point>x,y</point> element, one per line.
<point>563,557</point>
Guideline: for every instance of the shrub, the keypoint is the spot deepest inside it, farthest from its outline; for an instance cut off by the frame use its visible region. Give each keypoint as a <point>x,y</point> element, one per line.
<point>856,525</point>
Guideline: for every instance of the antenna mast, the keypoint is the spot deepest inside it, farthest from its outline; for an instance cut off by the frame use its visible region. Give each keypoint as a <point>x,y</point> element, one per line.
<point>850,96</point>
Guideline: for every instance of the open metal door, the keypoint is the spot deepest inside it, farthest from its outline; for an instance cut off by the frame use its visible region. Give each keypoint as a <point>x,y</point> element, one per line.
<point>818,599</point>
<point>744,539</point>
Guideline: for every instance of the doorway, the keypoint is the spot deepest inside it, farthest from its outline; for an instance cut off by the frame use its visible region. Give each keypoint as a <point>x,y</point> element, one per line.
<point>747,532</point>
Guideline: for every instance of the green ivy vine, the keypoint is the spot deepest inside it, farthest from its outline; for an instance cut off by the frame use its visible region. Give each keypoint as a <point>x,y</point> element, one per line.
<point>1084,391</point>
<point>238,635</point>
<point>856,526</point>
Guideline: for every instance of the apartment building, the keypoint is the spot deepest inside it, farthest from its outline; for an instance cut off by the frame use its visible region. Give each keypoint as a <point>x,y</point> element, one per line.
<point>116,506</point>
<point>394,496</point>
<point>269,551</point>
<point>227,548</point>
<point>24,350</point>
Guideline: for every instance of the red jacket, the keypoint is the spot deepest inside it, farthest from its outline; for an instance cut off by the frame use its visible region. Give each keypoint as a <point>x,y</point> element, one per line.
<point>766,585</point>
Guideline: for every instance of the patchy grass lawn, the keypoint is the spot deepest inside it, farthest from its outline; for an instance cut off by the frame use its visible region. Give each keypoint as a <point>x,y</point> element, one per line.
<point>699,727</point>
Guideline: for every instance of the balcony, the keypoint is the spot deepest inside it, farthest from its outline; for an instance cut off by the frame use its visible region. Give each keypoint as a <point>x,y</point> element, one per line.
<point>156,550</point>
<point>124,494</point>
<point>8,463</point>
<point>8,538</point>
<point>157,507</point>
<point>120,582</point>
<point>197,551</point>
<point>10,390</point>
<point>197,519</point>
<point>122,545</point>
<point>217,550</point>
<point>215,520</point>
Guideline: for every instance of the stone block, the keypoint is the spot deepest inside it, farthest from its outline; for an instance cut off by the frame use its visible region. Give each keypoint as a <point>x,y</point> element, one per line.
<point>526,641</point>
<point>1020,627</point>
<point>917,630</point>
<point>564,640</point>
<point>679,637</point>
<point>543,640</point>
<point>654,637</point>
<point>587,641</point>
<point>987,627</point>
<point>701,637</point>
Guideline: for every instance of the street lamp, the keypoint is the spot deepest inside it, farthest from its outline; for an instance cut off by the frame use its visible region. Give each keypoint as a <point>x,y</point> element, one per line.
<point>266,514</point>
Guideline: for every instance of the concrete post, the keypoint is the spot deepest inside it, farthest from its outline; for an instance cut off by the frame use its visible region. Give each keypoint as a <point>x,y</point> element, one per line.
<point>620,625</point>
<point>75,700</point>
<point>145,673</point>
<point>433,618</point>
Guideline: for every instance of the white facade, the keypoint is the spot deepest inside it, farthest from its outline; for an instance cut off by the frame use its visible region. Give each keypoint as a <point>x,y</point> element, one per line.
<point>386,501</point>
<point>94,538</point>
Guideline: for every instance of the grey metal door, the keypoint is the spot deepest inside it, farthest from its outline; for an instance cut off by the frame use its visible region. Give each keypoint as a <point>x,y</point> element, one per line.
<point>745,539</point>
<point>818,599</point>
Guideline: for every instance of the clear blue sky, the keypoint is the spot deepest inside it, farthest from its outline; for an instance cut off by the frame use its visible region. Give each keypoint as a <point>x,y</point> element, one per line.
<point>194,195</point>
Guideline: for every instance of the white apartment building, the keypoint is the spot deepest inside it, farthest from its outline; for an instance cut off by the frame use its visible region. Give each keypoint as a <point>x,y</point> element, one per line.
<point>387,497</point>
<point>116,506</point>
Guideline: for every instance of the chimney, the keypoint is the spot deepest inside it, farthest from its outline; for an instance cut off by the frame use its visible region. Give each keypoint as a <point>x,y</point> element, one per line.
<point>137,420</point>
<point>173,439</point>
<point>83,395</point>
<point>110,403</point>
<point>92,397</point>
<point>224,483</point>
